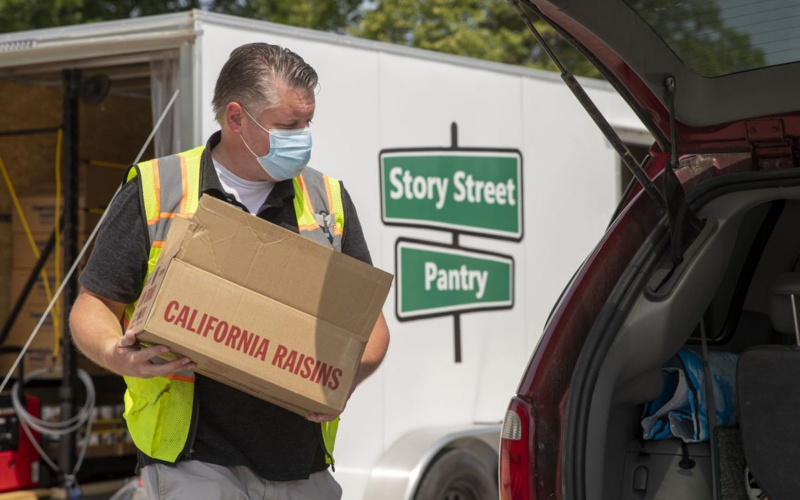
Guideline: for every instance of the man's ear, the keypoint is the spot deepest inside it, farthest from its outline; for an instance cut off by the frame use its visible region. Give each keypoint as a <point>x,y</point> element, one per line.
<point>234,115</point>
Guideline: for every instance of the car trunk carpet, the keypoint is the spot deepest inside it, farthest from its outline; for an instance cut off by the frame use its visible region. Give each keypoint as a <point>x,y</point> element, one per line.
<point>730,466</point>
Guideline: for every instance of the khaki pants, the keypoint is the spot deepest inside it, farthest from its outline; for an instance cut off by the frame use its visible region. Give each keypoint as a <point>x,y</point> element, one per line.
<point>192,480</point>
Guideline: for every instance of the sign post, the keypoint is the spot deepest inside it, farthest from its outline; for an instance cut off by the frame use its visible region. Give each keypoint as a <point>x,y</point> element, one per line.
<point>440,280</point>
<point>464,191</point>
<point>470,191</point>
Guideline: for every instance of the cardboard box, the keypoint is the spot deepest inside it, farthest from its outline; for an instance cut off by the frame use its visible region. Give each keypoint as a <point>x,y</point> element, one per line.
<point>26,322</point>
<point>40,213</point>
<point>35,359</point>
<point>98,183</point>
<point>262,309</point>
<point>38,296</point>
<point>24,258</point>
<point>39,354</point>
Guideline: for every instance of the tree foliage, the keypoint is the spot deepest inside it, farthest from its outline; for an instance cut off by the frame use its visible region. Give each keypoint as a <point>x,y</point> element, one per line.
<point>699,35</point>
<point>324,15</point>
<point>17,15</point>
<point>327,15</point>
<point>482,29</point>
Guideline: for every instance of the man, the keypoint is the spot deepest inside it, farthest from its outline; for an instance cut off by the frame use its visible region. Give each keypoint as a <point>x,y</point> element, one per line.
<point>198,438</point>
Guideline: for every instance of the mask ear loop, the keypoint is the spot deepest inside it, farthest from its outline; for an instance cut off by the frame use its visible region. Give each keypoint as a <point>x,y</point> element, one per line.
<point>259,126</point>
<point>254,120</point>
<point>247,146</point>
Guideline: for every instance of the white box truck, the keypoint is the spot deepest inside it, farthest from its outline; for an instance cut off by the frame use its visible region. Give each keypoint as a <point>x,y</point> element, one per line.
<point>483,223</point>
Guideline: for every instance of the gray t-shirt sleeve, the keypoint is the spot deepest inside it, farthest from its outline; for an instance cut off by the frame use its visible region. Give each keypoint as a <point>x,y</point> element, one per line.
<point>118,262</point>
<point>353,242</point>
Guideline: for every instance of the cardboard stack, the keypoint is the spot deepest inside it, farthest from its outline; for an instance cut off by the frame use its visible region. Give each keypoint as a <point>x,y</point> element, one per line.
<point>261,309</point>
<point>40,213</point>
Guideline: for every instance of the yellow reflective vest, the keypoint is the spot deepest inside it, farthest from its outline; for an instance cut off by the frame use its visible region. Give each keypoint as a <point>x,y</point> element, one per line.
<point>159,411</point>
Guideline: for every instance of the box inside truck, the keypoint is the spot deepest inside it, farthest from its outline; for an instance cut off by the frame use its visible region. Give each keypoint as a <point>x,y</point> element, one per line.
<point>118,98</point>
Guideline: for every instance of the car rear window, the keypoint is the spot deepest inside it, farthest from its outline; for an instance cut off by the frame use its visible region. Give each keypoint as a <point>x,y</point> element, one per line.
<point>722,37</point>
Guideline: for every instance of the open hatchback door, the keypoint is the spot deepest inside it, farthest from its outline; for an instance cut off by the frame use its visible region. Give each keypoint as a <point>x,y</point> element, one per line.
<point>705,76</point>
<point>696,253</point>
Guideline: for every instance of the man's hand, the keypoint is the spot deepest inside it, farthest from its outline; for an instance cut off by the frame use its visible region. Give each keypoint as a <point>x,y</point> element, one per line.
<point>126,357</point>
<point>374,352</point>
<point>322,417</point>
<point>329,417</point>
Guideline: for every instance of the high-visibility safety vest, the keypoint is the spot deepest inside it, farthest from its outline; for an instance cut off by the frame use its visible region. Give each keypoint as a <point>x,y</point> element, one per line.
<point>159,411</point>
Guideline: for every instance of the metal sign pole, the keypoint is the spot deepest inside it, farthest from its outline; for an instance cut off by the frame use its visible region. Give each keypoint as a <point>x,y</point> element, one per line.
<point>456,316</point>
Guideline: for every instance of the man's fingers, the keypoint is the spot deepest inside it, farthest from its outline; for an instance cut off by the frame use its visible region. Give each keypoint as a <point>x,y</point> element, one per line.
<point>149,353</point>
<point>128,340</point>
<point>171,367</point>
<point>321,417</point>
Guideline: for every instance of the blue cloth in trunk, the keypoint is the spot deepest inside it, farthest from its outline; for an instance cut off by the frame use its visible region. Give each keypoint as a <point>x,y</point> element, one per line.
<point>681,410</point>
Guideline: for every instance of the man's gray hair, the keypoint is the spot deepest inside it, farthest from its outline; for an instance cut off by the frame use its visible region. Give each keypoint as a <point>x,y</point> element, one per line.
<point>252,74</point>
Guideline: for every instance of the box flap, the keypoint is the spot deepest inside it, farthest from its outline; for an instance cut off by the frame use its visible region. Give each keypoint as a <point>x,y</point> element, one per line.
<point>178,231</point>
<point>300,273</point>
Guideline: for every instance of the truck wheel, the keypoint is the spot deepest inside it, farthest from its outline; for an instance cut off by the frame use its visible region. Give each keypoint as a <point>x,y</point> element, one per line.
<point>457,475</point>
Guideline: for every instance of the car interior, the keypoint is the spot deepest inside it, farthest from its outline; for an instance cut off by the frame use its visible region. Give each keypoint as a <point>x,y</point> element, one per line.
<point>737,281</point>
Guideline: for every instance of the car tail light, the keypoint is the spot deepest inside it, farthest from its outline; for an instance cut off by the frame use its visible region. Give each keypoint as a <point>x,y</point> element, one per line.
<point>516,473</point>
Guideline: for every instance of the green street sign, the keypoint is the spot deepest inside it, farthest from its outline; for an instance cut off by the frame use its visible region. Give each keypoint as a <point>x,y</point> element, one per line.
<point>474,191</point>
<point>438,280</point>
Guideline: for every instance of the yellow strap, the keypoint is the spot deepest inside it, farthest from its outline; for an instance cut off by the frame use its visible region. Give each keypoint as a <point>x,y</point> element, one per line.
<point>54,311</point>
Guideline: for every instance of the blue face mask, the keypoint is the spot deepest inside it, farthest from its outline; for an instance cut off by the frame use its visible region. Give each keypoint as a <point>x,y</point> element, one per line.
<point>289,151</point>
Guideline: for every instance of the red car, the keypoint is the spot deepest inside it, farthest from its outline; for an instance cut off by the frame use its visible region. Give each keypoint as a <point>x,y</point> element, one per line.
<point>710,250</point>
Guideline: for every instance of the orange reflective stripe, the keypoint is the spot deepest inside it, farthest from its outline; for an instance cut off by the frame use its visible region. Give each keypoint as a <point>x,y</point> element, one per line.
<point>180,378</point>
<point>157,183</point>
<point>171,215</point>
<point>184,182</point>
<point>308,228</point>
<point>157,244</point>
<point>309,207</point>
